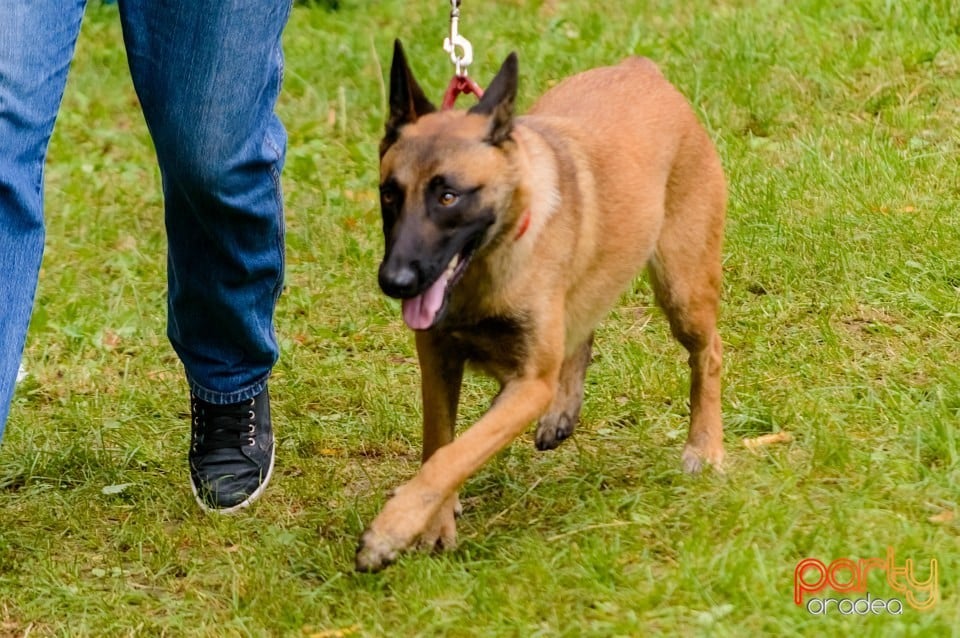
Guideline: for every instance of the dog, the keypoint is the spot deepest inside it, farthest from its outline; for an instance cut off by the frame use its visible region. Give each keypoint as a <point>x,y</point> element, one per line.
<point>508,238</point>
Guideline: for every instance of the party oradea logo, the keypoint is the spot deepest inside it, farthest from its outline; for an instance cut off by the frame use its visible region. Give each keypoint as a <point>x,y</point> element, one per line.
<point>851,577</point>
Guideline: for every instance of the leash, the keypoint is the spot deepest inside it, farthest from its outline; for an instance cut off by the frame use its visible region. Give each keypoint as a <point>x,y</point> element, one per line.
<point>461,54</point>
<point>461,83</point>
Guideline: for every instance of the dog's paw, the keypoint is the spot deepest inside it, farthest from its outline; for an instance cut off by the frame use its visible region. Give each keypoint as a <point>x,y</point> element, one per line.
<point>554,429</point>
<point>694,460</point>
<point>441,532</point>
<point>400,527</point>
<point>375,552</point>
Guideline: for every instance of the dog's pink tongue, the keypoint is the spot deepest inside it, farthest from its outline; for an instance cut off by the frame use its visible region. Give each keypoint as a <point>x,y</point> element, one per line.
<point>420,312</point>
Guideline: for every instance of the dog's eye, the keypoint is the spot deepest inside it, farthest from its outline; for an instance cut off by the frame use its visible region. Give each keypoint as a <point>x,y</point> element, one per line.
<point>388,197</point>
<point>448,198</point>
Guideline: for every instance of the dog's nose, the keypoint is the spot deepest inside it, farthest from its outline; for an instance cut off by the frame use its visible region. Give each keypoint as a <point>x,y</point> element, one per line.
<point>399,281</point>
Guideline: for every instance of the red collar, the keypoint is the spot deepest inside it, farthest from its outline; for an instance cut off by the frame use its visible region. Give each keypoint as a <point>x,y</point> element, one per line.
<point>524,225</point>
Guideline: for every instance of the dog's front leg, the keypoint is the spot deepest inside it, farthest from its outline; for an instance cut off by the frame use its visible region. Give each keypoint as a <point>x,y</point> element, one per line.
<point>441,374</point>
<point>410,513</point>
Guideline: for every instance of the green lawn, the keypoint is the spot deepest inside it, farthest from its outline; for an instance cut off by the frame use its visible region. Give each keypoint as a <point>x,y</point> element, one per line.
<point>838,126</point>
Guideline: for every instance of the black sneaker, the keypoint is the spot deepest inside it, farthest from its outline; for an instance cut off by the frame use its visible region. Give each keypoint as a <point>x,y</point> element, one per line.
<point>231,452</point>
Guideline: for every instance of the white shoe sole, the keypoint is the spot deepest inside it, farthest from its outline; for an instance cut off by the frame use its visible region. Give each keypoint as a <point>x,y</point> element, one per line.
<point>246,502</point>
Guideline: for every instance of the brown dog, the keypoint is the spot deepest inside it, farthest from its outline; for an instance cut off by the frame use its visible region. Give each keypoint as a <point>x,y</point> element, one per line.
<point>509,238</point>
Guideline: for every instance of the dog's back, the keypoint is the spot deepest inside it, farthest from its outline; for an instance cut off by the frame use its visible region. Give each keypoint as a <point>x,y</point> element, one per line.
<point>649,162</point>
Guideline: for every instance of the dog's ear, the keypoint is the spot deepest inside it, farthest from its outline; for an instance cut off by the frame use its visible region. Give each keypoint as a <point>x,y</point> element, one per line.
<point>407,101</point>
<point>497,101</point>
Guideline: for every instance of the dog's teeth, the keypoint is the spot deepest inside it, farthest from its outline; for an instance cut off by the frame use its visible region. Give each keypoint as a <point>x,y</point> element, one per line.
<point>453,264</point>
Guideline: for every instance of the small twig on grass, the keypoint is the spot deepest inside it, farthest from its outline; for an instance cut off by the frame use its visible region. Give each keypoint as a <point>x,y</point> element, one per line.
<point>946,516</point>
<point>767,439</point>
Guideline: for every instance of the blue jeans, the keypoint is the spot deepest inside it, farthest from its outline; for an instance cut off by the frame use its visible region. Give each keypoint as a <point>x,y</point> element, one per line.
<point>207,73</point>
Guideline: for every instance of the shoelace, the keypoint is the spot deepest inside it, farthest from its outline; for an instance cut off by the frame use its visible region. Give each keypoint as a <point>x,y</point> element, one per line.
<point>223,426</point>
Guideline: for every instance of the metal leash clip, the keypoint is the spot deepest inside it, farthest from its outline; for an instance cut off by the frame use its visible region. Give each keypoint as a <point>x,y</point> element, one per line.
<point>456,41</point>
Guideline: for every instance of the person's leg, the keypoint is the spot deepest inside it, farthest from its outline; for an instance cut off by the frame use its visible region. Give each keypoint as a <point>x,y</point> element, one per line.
<point>36,45</point>
<point>208,75</point>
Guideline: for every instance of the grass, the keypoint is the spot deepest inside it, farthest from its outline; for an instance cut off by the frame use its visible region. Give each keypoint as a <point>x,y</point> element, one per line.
<point>837,124</point>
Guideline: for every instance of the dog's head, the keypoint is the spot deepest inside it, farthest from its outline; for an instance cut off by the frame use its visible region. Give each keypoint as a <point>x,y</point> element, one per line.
<point>447,179</point>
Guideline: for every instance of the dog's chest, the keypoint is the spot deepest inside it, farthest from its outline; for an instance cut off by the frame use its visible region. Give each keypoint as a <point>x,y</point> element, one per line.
<point>499,345</point>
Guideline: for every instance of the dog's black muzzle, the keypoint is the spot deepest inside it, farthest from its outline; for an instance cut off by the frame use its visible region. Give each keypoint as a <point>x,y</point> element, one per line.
<point>400,279</point>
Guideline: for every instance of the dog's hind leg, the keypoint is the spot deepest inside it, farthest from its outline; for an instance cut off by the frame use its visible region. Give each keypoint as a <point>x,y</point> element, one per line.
<point>686,272</point>
<point>693,322</point>
<point>562,416</point>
